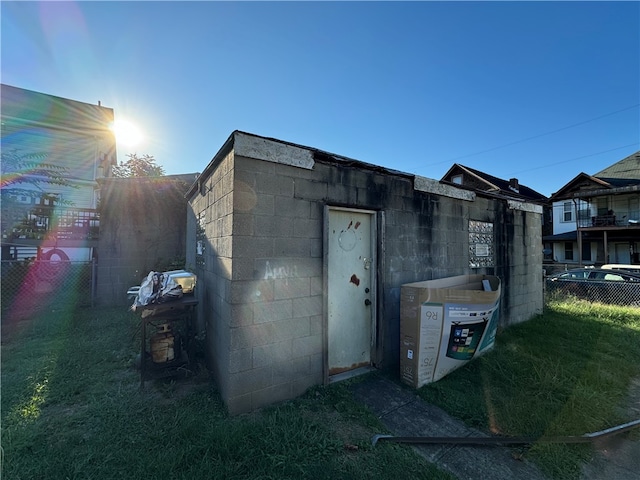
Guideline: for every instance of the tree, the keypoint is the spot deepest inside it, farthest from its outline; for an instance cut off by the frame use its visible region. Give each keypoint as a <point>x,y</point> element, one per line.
<point>20,170</point>
<point>25,175</point>
<point>136,166</point>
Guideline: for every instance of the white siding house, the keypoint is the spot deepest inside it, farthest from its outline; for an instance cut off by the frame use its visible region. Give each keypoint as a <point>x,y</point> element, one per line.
<point>74,136</point>
<point>596,219</point>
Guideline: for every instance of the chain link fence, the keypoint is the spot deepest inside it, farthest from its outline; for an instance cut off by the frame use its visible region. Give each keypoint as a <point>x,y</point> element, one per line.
<point>602,291</point>
<point>28,283</point>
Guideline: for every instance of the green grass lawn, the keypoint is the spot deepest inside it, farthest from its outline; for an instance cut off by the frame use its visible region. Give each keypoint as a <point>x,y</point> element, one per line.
<point>72,409</point>
<point>566,372</point>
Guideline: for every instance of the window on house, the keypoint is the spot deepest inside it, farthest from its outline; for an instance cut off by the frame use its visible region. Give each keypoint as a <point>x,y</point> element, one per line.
<point>568,250</point>
<point>457,179</point>
<point>603,205</point>
<point>49,199</point>
<point>567,215</point>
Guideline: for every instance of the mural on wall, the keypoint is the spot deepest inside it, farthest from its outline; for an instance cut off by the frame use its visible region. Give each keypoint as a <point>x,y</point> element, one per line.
<point>481,244</point>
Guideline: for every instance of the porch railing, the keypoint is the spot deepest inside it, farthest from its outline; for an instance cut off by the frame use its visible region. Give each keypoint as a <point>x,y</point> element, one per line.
<point>53,223</point>
<point>617,219</point>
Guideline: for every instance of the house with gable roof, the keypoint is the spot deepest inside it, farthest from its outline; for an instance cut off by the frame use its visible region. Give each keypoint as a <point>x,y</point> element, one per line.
<point>596,218</point>
<point>472,179</point>
<point>469,178</point>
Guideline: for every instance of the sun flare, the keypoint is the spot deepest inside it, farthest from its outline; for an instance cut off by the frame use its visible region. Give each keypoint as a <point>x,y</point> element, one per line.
<point>127,134</point>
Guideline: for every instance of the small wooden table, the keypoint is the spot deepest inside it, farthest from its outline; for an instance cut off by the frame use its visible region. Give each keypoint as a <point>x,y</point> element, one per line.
<point>179,314</point>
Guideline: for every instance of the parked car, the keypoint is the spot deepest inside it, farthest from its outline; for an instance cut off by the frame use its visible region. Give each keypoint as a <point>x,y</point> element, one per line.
<point>596,274</point>
<point>620,266</point>
<point>598,285</point>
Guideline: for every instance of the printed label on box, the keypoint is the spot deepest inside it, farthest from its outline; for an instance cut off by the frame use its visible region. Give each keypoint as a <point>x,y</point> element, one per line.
<point>430,329</point>
<point>445,323</point>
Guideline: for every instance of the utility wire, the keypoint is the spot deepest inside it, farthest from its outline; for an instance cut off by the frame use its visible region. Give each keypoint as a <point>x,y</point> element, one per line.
<point>539,135</point>
<point>578,158</point>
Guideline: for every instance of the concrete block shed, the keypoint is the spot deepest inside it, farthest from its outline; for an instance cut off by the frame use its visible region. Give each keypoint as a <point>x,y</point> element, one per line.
<point>300,256</point>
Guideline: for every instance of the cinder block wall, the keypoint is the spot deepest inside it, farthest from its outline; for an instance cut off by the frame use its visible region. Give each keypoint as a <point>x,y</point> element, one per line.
<point>276,290</point>
<point>425,237</point>
<point>211,209</point>
<point>142,228</point>
<point>521,266</point>
<point>440,226</point>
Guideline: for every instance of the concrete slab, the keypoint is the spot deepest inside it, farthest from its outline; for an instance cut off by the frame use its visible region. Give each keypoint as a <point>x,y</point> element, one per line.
<point>406,414</point>
<point>618,459</point>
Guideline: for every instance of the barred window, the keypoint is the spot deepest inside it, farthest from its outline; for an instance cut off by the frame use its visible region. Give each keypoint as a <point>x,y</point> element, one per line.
<point>200,239</point>
<point>481,244</point>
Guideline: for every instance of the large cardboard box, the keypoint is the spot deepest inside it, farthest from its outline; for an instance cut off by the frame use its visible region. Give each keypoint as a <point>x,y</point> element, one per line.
<point>445,323</point>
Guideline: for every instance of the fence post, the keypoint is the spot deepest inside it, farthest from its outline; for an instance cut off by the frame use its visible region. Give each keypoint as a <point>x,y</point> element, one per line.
<point>93,282</point>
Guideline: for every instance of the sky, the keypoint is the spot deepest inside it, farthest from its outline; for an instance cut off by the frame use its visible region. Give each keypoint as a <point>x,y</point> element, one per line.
<point>539,91</point>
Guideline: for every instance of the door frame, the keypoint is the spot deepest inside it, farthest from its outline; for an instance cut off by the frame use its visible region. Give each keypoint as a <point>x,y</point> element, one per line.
<point>374,239</point>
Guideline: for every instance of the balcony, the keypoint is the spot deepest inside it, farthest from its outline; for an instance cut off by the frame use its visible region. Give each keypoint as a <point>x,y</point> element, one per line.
<point>603,221</point>
<point>622,220</point>
<point>49,226</point>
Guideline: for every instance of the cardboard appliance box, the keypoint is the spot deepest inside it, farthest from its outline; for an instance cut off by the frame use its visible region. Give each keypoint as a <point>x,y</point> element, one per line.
<point>446,323</point>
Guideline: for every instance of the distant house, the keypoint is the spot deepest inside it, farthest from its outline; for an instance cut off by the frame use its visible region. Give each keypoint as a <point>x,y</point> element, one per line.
<point>65,133</point>
<point>596,218</point>
<point>472,179</point>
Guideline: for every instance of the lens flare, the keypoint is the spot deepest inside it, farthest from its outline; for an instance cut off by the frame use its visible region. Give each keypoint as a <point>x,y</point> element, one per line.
<point>127,133</point>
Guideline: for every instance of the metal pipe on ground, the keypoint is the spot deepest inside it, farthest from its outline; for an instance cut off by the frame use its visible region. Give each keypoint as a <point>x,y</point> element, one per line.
<point>586,438</point>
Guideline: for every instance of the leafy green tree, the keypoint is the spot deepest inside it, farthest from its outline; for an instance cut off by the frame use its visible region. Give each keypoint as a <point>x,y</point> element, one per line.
<point>136,166</point>
<point>26,175</point>
<point>20,170</point>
